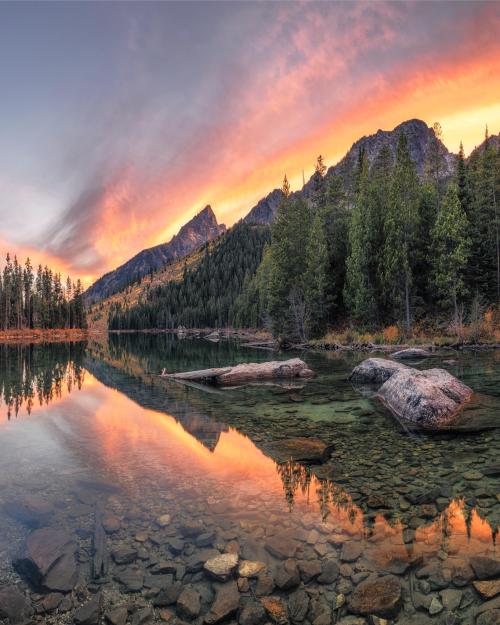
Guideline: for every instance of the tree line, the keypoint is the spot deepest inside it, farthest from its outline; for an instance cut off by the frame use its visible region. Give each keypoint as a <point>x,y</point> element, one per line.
<point>38,300</point>
<point>393,249</point>
<point>207,295</point>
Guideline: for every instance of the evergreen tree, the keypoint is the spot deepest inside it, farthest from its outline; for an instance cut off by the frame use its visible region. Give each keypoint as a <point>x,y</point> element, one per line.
<point>316,276</point>
<point>450,251</point>
<point>288,260</point>
<point>359,292</point>
<point>399,232</point>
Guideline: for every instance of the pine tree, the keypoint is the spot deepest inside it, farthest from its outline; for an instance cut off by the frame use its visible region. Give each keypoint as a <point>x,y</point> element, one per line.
<point>289,237</point>
<point>399,232</point>
<point>359,291</point>
<point>450,244</point>
<point>316,277</point>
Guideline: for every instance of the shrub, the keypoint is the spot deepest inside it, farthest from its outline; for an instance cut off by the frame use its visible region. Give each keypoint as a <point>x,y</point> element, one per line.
<point>391,334</point>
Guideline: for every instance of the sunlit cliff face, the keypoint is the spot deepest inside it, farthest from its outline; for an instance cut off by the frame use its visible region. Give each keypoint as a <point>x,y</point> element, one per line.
<point>253,91</point>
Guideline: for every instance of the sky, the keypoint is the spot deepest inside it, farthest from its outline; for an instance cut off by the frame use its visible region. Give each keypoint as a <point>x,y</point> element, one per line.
<point>120,121</point>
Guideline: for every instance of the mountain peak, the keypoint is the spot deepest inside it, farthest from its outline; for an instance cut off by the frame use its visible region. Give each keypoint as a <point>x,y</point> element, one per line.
<point>201,228</point>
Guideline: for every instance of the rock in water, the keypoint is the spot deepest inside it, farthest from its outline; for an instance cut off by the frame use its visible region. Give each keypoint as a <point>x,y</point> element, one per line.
<point>90,612</point>
<point>377,595</point>
<point>225,604</point>
<point>430,399</point>
<point>376,371</point>
<point>48,560</point>
<point>412,353</point>
<point>311,450</point>
<point>14,606</point>
<point>221,567</point>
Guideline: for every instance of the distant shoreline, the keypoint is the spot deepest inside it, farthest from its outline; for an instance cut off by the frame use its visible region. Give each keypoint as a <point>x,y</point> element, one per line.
<point>28,335</point>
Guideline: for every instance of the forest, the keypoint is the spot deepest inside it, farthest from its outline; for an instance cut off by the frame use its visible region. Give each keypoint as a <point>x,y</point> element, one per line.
<point>387,247</point>
<point>207,295</point>
<point>40,300</point>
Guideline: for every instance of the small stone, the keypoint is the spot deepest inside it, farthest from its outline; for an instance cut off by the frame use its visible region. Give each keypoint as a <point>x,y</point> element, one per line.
<point>52,601</point>
<point>265,585</point>
<point>168,595</point>
<point>488,588</point>
<point>281,547</point>
<point>124,555</point>
<point>287,575</point>
<point>329,571</point>
<point>252,614</point>
<point>298,605</point>
<point>163,520</point>
<point>111,524</point>
<point>275,609</point>
<point>485,567</point>
<point>473,475</point>
<point>89,613</point>
<point>490,617</point>
<point>142,616</point>
<point>225,605</point>
<point>378,595</point>
<point>251,568</point>
<point>131,579</point>
<point>309,569</point>
<point>117,616</point>
<point>13,605</point>
<point>351,552</point>
<point>243,584</point>
<point>435,607</point>
<point>188,604</point>
<point>221,567</point>
<point>141,537</point>
<point>451,598</point>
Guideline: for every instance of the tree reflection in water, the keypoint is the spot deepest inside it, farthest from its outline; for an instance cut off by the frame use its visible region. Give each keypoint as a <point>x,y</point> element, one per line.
<point>32,373</point>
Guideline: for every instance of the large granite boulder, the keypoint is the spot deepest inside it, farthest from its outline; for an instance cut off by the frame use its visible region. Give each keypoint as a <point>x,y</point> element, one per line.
<point>375,371</point>
<point>430,399</point>
<point>48,560</point>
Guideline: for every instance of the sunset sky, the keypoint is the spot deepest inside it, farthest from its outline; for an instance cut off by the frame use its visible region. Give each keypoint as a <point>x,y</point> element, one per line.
<point>120,121</point>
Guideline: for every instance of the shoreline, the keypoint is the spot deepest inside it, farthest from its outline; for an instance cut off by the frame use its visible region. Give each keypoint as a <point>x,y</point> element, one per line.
<point>43,336</point>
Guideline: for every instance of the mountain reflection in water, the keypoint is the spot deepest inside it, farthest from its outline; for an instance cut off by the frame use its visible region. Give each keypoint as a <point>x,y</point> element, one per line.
<point>104,433</point>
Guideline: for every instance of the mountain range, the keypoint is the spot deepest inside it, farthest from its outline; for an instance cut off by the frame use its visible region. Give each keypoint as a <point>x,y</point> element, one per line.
<point>204,226</point>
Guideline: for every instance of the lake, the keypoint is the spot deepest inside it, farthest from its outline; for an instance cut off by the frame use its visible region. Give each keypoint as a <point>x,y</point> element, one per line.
<point>397,526</point>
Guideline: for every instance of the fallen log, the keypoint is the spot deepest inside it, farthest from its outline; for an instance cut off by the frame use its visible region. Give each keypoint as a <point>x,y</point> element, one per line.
<point>247,372</point>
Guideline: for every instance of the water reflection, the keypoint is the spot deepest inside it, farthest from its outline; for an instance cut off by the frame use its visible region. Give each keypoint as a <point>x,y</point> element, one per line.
<point>164,447</point>
<point>35,374</point>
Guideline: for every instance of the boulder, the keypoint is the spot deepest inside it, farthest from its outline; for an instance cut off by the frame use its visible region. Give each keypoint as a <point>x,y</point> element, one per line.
<point>48,560</point>
<point>252,371</point>
<point>310,450</point>
<point>430,399</point>
<point>412,353</point>
<point>376,371</point>
<point>14,606</point>
<point>380,596</point>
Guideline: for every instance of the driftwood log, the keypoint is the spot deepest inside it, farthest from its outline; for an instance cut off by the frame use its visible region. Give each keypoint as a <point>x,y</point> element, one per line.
<point>246,372</point>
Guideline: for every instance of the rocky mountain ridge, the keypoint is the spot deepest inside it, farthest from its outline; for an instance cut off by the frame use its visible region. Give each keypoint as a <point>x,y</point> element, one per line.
<point>202,228</point>
<point>420,138</point>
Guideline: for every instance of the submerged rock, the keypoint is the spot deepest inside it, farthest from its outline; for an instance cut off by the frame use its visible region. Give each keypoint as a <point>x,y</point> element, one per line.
<point>14,606</point>
<point>380,596</point>
<point>48,560</point>
<point>376,371</point>
<point>412,353</point>
<point>430,399</point>
<point>90,612</point>
<point>221,567</point>
<point>310,450</point>
<point>225,604</point>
